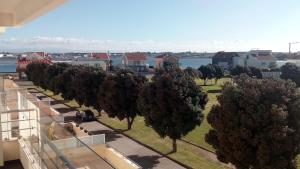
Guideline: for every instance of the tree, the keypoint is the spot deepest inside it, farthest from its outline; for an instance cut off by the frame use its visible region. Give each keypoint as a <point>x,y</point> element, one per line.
<point>291,71</point>
<point>172,104</point>
<point>35,72</point>
<point>65,81</point>
<point>238,70</point>
<point>51,72</point>
<point>207,72</point>
<point>256,72</point>
<point>218,73</point>
<point>256,124</point>
<point>194,73</point>
<point>118,95</point>
<point>87,84</point>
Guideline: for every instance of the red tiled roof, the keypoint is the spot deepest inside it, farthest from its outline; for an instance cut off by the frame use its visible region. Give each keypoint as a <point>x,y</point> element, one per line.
<point>26,62</point>
<point>135,56</point>
<point>42,54</point>
<point>103,56</point>
<point>166,55</point>
<point>266,57</point>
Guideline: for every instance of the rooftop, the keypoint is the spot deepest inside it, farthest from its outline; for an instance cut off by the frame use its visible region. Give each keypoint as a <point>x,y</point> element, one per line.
<point>139,56</point>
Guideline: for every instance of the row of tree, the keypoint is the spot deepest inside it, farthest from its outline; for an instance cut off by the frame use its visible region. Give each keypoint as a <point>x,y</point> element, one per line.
<point>206,72</point>
<point>171,102</point>
<point>289,71</point>
<point>255,124</point>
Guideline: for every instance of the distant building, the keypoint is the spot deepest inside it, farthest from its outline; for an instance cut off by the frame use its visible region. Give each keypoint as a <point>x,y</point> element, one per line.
<point>102,56</point>
<point>135,61</point>
<point>92,62</point>
<point>294,58</point>
<point>31,57</point>
<point>226,60</point>
<point>164,60</point>
<point>262,59</point>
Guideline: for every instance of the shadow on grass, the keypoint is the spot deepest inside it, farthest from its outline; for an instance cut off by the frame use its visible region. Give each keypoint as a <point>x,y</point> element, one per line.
<point>145,161</point>
<point>214,91</point>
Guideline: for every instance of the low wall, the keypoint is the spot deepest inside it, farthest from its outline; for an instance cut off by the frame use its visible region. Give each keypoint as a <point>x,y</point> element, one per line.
<point>113,157</point>
<point>11,150</point>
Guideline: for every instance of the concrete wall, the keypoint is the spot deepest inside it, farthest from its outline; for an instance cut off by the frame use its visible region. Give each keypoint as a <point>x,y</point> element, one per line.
<point>11,150</point>
<point>113,157</point>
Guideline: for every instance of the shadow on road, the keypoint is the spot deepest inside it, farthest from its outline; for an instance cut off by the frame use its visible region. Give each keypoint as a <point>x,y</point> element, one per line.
<point>145,161</point>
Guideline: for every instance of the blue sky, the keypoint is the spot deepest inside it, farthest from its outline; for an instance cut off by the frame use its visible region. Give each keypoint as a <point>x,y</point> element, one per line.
<point>161,25</point>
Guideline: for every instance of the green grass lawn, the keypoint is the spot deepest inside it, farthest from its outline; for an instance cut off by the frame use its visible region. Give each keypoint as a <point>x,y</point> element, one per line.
<point>187,153</point>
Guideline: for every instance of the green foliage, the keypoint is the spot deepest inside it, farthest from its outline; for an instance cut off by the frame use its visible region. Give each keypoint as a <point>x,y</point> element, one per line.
<point>194,73</point>
<point>218,72</point>
<point>118,95</point>
<point>65,81</point>
<point>208,72</point>
<point>250,71</point>
<point>238,70</point>
<point>256,124</point>
<point>256,72</point>
<point>172,104</point>
<point>51,72</point>
<point>86,85</point>
<point>291,71</point>
<point>35,73</point>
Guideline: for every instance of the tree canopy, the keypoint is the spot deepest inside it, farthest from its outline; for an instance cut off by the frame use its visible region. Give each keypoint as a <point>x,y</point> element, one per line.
<point>208,72</point>
<point>172,104</point>
<point>194,73</point>
<point>118,95</point>
<point>250,71</point>
<point>218,72</point>
<point>256,124</point>
<point>291,71</point>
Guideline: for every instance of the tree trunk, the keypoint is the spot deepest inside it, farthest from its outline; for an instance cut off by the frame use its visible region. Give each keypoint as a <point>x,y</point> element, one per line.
<point>174,146</point>
<point>205,80</point>
<point>129,123</point>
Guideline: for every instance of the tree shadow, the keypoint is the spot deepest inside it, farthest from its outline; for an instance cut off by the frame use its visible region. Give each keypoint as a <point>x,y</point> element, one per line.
<point>64,110</point>
<point>41,97</point>
<point>214,91</point>
<point>145,161</point>
<point>54,102</point>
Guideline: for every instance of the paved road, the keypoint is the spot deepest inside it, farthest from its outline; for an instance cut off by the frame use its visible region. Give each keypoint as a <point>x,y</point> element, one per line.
<point>140,154</point>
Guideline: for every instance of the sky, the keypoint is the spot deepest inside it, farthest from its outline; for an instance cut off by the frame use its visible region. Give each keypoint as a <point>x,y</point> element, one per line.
<point>160,25</point>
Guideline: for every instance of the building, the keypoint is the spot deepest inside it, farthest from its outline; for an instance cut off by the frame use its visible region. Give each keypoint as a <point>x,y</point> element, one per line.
<point>135,61</point>
<point>262,59</point>
<point>38,136</point>
<point>226,60</point>
<point>85,61</point>
<point>102,56</point>
<point>293,58</point>
<point>25,59</point>
<point>164,60</point>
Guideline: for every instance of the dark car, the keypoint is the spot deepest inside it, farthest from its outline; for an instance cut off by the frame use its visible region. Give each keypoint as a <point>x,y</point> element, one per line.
<point>85,116</point>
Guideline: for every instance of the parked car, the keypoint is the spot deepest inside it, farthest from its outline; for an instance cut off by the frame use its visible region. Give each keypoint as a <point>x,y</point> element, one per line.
<point>85,116</point>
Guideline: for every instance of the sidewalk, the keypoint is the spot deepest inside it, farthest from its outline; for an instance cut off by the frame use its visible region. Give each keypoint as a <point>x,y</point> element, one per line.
<point>140,154</point>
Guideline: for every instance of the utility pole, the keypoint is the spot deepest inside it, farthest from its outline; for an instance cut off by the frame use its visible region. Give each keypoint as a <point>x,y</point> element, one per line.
<point>290,45</point>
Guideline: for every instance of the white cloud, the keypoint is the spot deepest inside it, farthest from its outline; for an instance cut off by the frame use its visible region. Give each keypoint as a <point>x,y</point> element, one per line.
<point>61,44</point>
